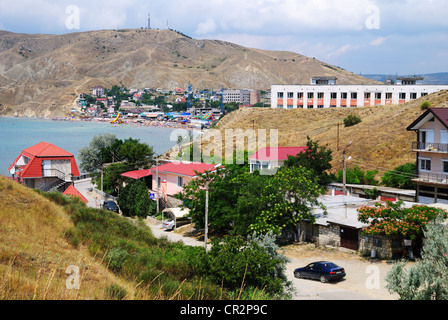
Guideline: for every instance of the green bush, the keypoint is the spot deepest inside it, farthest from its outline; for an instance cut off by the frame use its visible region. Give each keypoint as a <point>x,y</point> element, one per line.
<point>352,120</point>
<point>357,176</point>
<point>400,177</point>
<point>425,105</point>
<point>134,200</point>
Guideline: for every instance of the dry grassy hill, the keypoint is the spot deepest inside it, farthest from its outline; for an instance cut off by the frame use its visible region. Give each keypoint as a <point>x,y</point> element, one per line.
<point>380,142</point>
<point>41,75</point>
<point>34,254</point>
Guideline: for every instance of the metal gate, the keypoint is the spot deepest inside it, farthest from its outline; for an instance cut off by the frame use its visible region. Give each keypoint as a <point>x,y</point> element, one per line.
<point>349,238</point>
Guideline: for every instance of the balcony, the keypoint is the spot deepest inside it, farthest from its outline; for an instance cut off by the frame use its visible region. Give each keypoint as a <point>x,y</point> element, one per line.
<point>430,147</point>
<point>433,178</point>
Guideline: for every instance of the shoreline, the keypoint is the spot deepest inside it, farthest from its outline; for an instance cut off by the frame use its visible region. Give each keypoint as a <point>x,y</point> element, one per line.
<point>132,122</point>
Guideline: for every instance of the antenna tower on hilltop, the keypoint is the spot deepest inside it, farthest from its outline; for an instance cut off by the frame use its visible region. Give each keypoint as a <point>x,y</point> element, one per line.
<point>149,20</point>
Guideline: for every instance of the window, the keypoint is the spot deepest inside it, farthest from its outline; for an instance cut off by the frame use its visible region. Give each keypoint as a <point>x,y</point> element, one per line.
<point>444,136</point>
<point>389,95</point>
<point>425,164</point>
<point>310,95</point>
<point>424,94</point>
<point>354,95</point>
<point>445,166</point>
<point>300,95</point>
<point>180,182</point>
<point>290,95</point>
<point>344,95</point>
<point>403,96</point>
<point>378,96</point>
<point>334,95</point>
<point>367,95</point>
<point>320,95</point>
<point>290,106</point>
<point>413,96</point>
<point>280,95</point>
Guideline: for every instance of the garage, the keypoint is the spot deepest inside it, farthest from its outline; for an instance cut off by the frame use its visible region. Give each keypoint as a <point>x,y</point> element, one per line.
<point>349,238</point>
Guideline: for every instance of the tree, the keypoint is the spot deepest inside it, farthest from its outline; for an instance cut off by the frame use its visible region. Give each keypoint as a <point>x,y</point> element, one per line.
<point>94,156</point>
<point>256,263</point>
<point>352,120</point>
<point>316,158</point>
<point>393,219</point>
<point>243,203</point>
<point>134,200</point>
<point>400,177</point>
<point>426,280</point>
<point>357,176</point>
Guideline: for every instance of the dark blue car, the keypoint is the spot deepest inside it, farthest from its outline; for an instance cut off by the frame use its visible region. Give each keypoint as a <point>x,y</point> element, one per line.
<point>322,270</point>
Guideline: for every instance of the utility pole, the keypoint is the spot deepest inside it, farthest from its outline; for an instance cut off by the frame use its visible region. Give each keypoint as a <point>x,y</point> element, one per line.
<point>206,217</point>
<point>344,163</point>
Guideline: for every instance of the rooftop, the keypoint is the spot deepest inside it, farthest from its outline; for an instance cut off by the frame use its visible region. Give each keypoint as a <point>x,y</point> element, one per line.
<point>280,153</point>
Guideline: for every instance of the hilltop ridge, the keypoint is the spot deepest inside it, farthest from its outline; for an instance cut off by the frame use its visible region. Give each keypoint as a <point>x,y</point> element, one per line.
<point>42,75</point>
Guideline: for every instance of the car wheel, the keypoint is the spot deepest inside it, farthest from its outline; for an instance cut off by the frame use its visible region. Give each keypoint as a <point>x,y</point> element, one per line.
<point>323,279</point>
<point>298,275</point>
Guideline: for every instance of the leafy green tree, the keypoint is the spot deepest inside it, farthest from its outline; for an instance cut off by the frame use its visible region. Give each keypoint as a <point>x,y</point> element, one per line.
<point>237,263</point>
<point>426,280</point>
<point>316,158</point>
<point>244,203</point>
<point>400,177</point>
<point>94,156</point>
<point>356,176</point>
<point>134,200</point>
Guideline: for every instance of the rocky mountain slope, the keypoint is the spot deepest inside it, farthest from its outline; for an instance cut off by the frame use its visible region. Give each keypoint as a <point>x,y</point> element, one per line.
<point>41,75</point>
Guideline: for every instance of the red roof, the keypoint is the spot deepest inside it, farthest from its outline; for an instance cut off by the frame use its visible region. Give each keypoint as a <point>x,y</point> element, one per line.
<point>43,151</point>
<point>185,169</point>
<point>138,174</point>
<point>72,191</point>
<point>281,153</point>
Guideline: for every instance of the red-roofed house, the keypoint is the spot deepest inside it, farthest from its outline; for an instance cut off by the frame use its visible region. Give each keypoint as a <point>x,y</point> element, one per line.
<point>272,158</point>
<point>177,174</point>
<point>45,166</point>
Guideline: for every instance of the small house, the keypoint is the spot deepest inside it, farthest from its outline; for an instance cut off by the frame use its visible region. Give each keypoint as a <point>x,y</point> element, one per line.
<point>272,158</point>
<point>46,167</point>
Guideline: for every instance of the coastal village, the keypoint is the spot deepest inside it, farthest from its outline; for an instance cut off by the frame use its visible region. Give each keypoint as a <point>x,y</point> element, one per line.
<point>338,218</point>
<point>331,186</point>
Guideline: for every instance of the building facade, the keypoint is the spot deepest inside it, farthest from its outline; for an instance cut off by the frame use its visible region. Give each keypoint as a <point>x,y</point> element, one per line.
<point>324,92</point>
<point>431,148</point>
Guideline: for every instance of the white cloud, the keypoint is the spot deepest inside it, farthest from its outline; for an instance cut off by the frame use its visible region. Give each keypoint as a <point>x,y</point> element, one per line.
<point>206,27</point>
<point>378,41</point>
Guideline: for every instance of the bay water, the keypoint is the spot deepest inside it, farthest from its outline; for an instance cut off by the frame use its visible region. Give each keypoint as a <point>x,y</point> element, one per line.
<point>17,134</point>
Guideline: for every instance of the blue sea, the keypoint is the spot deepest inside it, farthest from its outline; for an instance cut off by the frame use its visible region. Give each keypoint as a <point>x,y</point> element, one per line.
<point>17,134</point>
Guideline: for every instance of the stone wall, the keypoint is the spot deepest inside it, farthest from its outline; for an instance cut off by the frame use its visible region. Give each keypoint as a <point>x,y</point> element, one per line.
<point>384,247</point>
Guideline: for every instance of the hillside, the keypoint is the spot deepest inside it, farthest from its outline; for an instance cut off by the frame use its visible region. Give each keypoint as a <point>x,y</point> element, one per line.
<point>380,141</point>
<point>34,254</point>
<point>42,75</point>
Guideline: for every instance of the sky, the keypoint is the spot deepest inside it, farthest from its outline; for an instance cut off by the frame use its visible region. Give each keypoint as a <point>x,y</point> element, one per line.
<point>404,37</point>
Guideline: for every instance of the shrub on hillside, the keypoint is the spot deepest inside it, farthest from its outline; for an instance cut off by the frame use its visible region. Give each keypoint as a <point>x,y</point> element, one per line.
<point>352,120</point>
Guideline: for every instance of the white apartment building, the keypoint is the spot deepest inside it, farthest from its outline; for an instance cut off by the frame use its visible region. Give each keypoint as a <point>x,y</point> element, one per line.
<point>323,92</point>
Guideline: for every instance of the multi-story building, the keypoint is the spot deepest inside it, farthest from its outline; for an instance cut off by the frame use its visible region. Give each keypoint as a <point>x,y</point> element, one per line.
<point>98,91</point>
<point>236,96</point>
<point>431,148</point>
<point>323,92</point>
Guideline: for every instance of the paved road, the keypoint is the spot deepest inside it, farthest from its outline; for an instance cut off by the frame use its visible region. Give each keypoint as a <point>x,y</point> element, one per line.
<point>85,187</point>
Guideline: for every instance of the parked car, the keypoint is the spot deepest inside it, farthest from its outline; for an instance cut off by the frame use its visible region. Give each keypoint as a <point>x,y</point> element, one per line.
<point>168,224</point>
<point>111,206</point>
<point>324,271</point>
